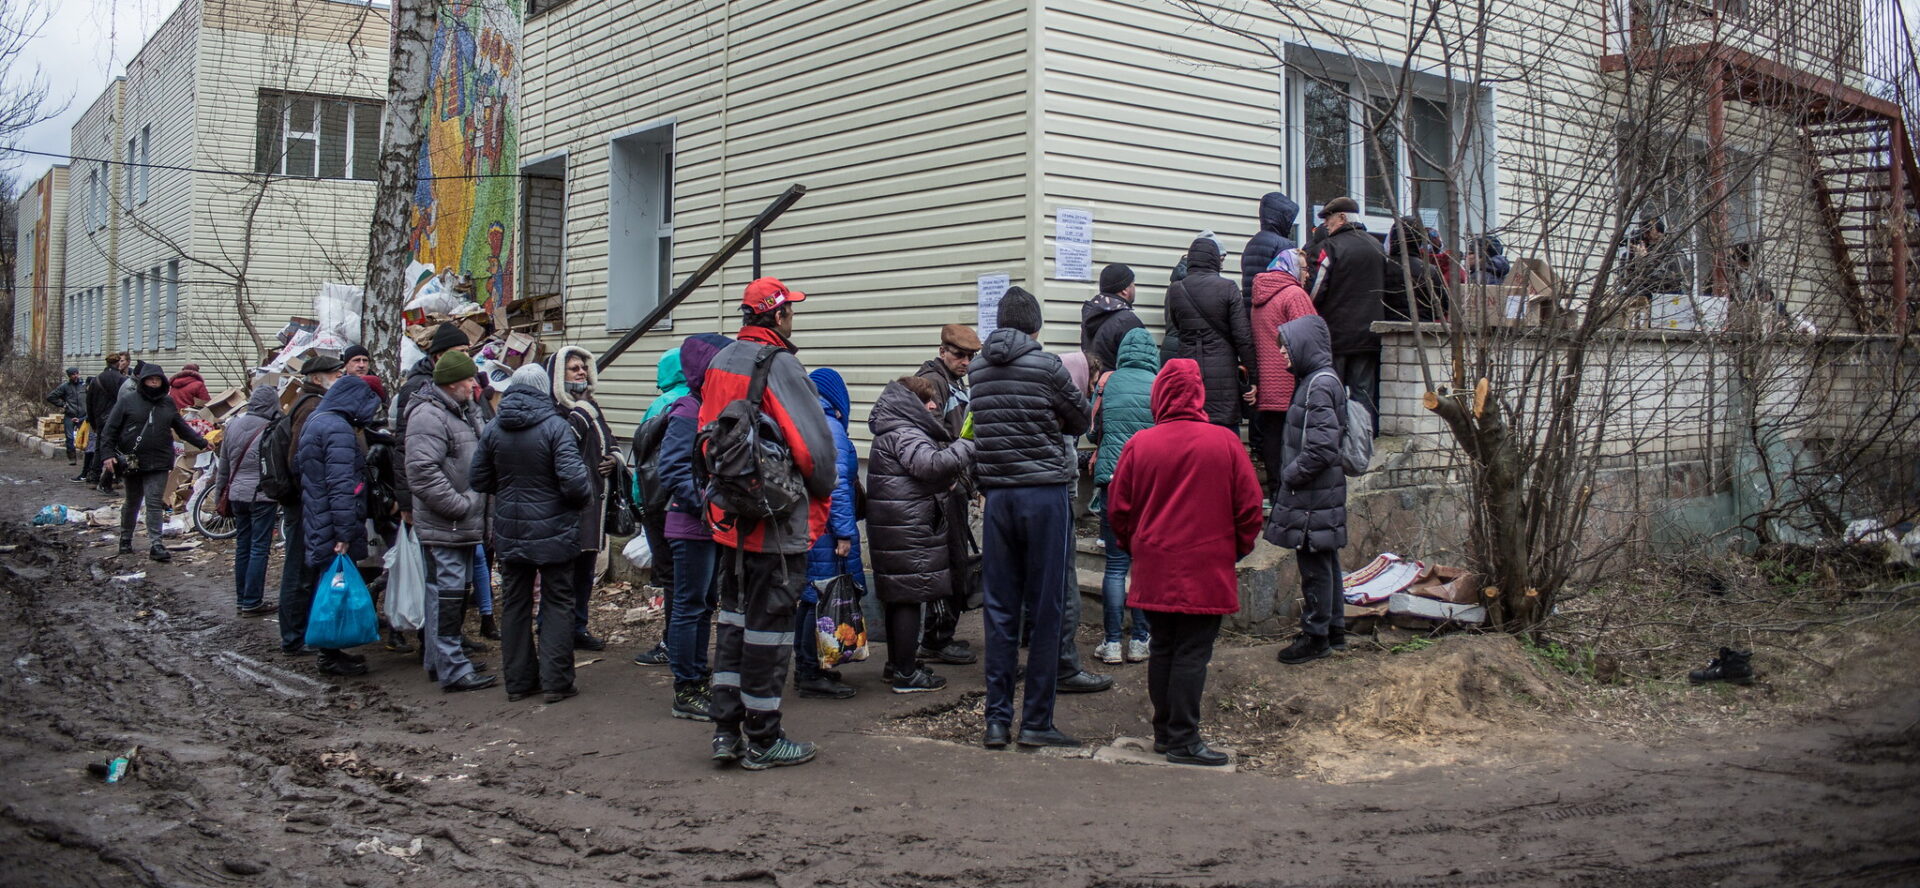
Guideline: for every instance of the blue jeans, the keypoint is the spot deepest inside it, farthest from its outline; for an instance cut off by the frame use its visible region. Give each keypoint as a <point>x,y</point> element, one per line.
<point>1024,557</point>
<point>252,545</point>
<point>72,425</point>
<point>482,581</point>
<point>1113,589</point>
<point>694,598</point>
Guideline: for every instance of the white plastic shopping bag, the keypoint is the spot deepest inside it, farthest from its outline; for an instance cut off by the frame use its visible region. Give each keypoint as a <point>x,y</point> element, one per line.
<point>406,582</point>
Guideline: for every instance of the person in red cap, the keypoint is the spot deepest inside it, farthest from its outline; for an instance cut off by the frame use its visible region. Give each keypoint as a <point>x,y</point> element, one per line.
<point>763,563</point>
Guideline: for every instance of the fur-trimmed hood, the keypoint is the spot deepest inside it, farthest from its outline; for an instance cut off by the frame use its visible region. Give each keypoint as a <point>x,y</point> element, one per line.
<point>557,372</point>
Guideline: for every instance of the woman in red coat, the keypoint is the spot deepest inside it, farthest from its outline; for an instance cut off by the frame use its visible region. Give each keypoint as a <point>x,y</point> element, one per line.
<point>1184,503</point>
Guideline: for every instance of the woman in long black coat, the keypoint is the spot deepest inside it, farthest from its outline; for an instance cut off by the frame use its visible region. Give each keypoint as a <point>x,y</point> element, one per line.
<point>914,462</point>
<point>1211,321</point>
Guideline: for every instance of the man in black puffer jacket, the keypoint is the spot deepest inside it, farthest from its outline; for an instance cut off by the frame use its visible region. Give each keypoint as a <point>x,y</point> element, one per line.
<point>102,393</point>
<point>528,459</point>
<point>1310,496</point>
<point>1024,407</point>
<point>1277,212</point>
<point>1349,277</point>
<point>138,442</point>
<point>1107,318</point>
<point>1211,318</point>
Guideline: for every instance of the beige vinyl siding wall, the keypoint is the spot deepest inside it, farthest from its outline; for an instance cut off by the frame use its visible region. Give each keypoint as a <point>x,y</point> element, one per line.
<point>1162,128</point>
<point>303,233</point>
<point>89,254</point>
<point>907,123</point>
<point>158,229</point>
<point>56,276</point>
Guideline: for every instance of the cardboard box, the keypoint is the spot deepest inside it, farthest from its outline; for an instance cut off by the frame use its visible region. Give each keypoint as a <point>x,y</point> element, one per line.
<point>1531,295</point>
<point>1449,584</point>
<point>519,346</point>
<point>224,404</point>
<point>476,333</point>
<point>1406,604</point>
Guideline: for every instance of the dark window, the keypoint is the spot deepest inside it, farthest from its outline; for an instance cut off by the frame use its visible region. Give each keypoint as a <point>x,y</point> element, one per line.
<point>322,137</point>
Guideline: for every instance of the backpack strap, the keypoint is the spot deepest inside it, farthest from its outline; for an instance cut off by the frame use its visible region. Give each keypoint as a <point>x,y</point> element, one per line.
<point>762,367</point>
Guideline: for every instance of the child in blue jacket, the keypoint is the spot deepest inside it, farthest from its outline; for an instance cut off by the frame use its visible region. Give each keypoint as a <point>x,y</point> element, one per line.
<point>837,551</point>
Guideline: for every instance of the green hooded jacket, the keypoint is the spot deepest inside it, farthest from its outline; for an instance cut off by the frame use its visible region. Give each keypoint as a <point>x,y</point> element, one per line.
<point>1126,401</point>
<point>673,384</point>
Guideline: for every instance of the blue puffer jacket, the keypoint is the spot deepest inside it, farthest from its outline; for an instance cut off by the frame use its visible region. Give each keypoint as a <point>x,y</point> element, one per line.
<point>841,522</point>
<point>332,464</point>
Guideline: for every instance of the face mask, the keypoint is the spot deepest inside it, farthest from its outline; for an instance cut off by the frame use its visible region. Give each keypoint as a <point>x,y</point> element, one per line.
<point>577,389</point>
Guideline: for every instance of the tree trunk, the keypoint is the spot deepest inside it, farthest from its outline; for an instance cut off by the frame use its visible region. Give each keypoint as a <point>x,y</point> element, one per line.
<point>391,247</point>
<point>1498,528</point>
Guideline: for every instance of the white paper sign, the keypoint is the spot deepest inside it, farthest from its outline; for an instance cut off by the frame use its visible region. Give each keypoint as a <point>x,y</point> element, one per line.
<point>1073,226</point>
<point>991,288</point>
<point>1073,262</point>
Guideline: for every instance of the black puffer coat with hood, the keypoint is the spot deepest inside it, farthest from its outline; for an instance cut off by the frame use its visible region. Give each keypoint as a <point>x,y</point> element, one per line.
<point>1310,498</point>
<point>529,461</point>
<point>1211,319</point>
<point>1277,212</point>
<point>141,426</point>
<point>914,463</point>
<point>1105,320</point>
<point>1024,407</point>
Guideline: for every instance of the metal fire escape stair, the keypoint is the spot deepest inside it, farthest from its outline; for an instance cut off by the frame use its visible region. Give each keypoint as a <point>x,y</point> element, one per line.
<point>1867,190</point>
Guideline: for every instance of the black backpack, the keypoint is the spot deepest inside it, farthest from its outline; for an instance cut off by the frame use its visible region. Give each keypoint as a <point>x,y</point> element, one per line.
<point>646,464</point>
<point>745,467</point>
<point>279,477</point>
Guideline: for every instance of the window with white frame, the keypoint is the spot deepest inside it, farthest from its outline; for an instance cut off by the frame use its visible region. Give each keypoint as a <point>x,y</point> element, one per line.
<point>170,333</point>
<point>323,137</point>
<point>90,200</point>
<point>145,170</point>
<point>1391,154</point>
<point>1676,188</point>
<point>127,177</point>
<point>640,225</point>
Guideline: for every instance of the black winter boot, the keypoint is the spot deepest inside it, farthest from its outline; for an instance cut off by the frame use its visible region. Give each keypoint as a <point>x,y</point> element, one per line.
<point>488,628</point>
<point>1732,666</point>
<point>158,552</point>
<point>126,545</point>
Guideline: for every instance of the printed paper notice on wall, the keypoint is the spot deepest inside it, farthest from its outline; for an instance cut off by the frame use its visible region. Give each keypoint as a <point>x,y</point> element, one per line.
<point>1073,262</point>
<point>991,288</point>
<point>1073,226</point>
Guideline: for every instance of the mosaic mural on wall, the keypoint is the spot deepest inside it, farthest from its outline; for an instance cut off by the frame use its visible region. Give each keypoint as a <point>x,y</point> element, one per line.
<point>465,203</point>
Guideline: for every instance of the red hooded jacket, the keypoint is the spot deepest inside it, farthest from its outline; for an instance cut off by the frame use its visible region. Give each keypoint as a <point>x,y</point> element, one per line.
<point>1184,502</point>
<point>793,404</point>
<point>1277,299</point>
<point>188,388</point>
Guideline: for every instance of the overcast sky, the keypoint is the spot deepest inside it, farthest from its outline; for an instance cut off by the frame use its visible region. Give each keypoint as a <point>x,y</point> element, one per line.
<point>86,43</point>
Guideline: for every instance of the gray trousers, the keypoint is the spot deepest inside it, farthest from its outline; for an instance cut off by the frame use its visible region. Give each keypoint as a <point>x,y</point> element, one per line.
<point>150,487</point>
<point>449,570</point>
<point>1070,609</point>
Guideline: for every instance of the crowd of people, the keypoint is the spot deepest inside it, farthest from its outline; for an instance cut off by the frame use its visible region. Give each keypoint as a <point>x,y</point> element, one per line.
<point>751,499</point>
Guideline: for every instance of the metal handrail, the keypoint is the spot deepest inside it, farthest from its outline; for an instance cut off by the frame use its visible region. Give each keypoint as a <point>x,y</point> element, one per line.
<point>747,235</point>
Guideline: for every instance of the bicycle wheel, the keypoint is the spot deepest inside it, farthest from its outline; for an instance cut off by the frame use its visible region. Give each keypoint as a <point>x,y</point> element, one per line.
<point>211,524</point>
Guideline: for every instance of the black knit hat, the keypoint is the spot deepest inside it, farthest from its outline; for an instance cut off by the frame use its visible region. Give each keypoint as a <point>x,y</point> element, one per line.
<point>1020,311</point>
<point>355,351</point>
<point>445,337</point>
<point>1115,277</point>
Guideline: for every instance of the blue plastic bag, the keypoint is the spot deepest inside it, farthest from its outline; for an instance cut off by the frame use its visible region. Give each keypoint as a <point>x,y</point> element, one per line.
<point>342,614</point>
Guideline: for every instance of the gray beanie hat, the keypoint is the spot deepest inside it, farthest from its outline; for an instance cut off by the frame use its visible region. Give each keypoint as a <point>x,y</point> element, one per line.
<point>532,376</point>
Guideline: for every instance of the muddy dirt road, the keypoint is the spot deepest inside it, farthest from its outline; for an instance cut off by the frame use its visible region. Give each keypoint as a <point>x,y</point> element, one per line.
<point>253,770</point>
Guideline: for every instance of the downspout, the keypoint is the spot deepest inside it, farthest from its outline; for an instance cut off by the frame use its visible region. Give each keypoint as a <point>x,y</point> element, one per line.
<point>1036,155</point>
<point>726,103</point>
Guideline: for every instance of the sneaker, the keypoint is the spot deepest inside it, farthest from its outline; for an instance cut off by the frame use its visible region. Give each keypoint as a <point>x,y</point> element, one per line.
<point>1731,666</point>
<point>694,703</point>
<point>955,654</point>
<point>781,754</point>
<point>1109,653</point>
<point>919,682</point>
<point>1304,649</point>
<point>821,687</point>
<point>653,656</point>
<point>264,607</point>
<point>729,747</point>
<point>1138,650</point>
<point>586,641</point>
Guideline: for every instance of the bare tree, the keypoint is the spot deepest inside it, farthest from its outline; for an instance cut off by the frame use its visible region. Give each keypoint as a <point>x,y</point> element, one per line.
<point>1621,183</point>
<point>390,247</point>
<point>25,96</point>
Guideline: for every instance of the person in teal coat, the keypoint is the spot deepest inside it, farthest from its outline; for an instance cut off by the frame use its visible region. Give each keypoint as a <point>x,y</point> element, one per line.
<point>1123,405</point>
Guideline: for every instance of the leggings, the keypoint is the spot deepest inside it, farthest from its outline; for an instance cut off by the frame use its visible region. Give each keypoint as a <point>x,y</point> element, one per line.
<point>903,635</point>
